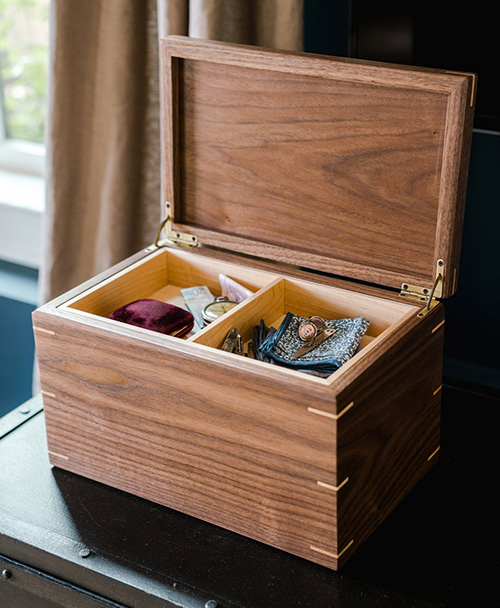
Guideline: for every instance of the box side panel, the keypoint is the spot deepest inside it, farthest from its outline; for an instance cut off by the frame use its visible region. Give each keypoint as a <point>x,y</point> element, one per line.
<point>450,224</point>
<point>389,438</point>
<point>240,451</point>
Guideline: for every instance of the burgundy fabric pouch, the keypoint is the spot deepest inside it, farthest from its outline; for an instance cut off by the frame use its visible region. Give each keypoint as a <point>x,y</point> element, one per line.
<point>157,316</point>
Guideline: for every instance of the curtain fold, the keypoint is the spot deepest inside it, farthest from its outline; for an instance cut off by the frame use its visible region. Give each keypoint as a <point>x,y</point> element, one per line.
<point>103,198</point>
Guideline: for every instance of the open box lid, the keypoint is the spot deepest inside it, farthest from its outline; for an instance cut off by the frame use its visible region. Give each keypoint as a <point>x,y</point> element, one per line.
<point>350,167</point>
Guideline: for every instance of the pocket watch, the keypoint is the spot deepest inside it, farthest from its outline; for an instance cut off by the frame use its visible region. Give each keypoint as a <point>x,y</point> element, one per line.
<point>217,308</point>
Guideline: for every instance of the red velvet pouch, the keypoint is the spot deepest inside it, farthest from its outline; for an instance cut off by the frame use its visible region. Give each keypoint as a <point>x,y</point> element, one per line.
<point>157,316</point>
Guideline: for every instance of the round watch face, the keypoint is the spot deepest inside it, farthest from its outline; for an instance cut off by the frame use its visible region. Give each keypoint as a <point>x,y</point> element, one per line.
<point>217,308</point>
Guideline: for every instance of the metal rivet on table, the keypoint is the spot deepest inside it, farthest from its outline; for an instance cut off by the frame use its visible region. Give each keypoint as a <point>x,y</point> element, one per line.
<point>6,573</point>
<point>84,552</point>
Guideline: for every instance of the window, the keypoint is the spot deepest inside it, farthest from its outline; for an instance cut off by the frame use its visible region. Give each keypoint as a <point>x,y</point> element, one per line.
<point>23,70</point>
<point>24,41</point>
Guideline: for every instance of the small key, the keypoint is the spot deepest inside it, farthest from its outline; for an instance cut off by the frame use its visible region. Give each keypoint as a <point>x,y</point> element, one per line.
<point>316,341</point>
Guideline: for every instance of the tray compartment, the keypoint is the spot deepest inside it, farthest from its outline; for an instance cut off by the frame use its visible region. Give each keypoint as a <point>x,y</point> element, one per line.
<point>161,276</point>
<point>284,295</point>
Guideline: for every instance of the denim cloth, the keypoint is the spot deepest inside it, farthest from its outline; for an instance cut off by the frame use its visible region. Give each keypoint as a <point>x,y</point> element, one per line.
<point>327,356</point>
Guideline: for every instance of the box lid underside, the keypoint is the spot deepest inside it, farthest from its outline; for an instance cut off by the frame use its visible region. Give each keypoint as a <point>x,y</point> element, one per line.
<point>353,168</point>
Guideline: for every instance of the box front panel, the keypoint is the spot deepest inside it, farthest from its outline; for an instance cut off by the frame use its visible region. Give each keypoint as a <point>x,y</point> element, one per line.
<point>210,440</point>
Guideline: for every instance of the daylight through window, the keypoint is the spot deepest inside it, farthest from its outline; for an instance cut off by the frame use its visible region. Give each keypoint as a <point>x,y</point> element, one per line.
<point>23,68</point>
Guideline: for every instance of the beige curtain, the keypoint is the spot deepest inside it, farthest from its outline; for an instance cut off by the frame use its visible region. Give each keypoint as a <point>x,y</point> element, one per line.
<point>103,169</point>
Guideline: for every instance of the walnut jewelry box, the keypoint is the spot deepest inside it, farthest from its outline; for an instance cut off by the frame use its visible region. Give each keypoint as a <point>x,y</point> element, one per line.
<point>326,186</point>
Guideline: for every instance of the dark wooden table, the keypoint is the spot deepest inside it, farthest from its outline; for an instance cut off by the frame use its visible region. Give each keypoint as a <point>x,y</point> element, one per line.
<point>70,542</point>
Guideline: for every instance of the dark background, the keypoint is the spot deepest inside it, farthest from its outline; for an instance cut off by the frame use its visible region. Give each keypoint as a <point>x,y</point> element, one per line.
<point>438,34</point>
<point>445,35</point>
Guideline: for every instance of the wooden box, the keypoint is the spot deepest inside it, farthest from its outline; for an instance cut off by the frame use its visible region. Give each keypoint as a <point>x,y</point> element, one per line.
<point>328,187</point>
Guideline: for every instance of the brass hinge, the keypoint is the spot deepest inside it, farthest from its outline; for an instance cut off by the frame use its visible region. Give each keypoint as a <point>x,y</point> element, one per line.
<point>174,236</point>
<point>424,293</point>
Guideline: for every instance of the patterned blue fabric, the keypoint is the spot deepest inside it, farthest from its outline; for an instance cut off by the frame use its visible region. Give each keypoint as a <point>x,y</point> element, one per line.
<point>327,356</point>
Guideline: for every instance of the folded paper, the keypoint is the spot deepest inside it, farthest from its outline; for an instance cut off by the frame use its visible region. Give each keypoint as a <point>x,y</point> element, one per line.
<point>233,290</point>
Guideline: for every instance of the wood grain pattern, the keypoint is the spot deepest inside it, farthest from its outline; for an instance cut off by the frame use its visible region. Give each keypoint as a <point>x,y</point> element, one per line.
<point>385,449</point>
<point>286,161</point>
<point>296,271</point>
<point>148,276</point>
<point>228,444</point>
<point>266,304</point>
<point>351,168</point>
<point>181,423</point>
<point>163,273</point>
<point>134,282</point>
<point>450,222</point>
<point>224,448</point>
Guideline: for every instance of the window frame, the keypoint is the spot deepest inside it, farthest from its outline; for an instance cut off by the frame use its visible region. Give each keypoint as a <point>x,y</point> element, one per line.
<point>21,156</point>
<point>22,199</point>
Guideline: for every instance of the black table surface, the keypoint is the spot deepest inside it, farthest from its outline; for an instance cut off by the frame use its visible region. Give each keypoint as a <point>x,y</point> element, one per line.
<point>440,547</point>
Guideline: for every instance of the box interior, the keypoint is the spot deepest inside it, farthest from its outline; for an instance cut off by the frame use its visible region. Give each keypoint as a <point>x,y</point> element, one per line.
<point>163,274</point>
